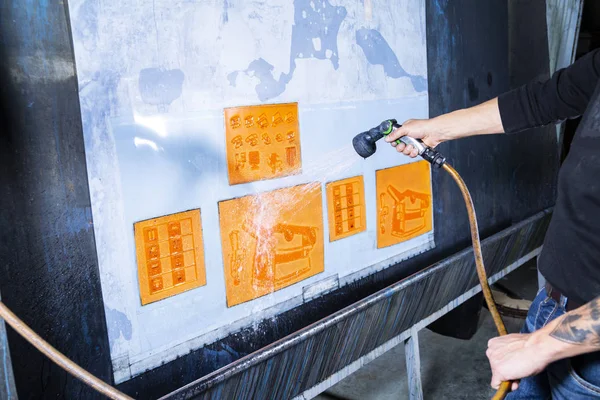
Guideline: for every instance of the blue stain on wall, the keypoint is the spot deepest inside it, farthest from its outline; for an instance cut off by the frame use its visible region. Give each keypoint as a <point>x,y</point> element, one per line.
<point>225,14</point>
<point>314,35</point>
<point>268,86</point>
<point>87,29</point>
<point>159,86</point>
<point>378,52</point>
<point>315,20</point>
<point>119,324</point>
<point>232,77</point>
<point>312,20</point>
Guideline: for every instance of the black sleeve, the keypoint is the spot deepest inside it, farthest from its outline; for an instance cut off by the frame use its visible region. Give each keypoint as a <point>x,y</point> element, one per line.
<point>565,95</point>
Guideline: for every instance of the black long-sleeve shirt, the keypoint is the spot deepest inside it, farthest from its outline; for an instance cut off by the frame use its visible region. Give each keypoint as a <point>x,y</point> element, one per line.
<point>570,259</point>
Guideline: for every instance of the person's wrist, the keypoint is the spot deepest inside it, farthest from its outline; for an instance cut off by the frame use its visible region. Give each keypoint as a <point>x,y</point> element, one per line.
<point>444,131</point>
<point>546,347</point>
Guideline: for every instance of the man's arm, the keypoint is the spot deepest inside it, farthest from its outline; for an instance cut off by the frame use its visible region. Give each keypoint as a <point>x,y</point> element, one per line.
<point>580,326</point>
<point>536,104</point>
<point>517,356</point>
<point>479,120</point>
<point>566,95</point>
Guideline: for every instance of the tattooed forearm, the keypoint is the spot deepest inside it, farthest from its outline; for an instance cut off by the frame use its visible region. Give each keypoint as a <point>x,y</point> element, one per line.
<point>581,326</point>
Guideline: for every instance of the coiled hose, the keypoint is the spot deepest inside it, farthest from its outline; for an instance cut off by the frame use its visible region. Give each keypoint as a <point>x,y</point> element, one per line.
<point>485,287</point>
<point>112,393</point>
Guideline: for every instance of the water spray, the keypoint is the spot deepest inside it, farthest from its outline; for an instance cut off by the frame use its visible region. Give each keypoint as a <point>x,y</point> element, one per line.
<point>365,145</point>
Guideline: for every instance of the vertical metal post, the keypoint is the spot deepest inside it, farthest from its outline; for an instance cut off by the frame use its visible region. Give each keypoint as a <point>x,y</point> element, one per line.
<point>7,383</point>
<point>413,366</point>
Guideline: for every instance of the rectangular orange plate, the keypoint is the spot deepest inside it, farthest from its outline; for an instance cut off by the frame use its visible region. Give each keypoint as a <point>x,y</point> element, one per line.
<point>403,203</point>
<point>170,255</point>
<point>271,240</point>
<point>263,142</point>
<point>346,207</point>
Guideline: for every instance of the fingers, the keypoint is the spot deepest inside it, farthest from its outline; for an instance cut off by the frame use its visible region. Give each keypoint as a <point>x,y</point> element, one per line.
<point>496,381</point>
<point>407,150</point>
<point>495,384</point>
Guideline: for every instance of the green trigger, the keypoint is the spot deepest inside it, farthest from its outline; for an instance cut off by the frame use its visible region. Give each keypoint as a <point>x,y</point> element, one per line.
<point>389,130</point>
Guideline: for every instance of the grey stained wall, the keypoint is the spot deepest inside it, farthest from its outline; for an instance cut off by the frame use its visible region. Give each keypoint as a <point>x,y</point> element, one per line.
<point>49,272</point>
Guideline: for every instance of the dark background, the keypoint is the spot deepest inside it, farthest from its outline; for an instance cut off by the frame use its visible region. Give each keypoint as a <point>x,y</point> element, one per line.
<point>48,264</point>
<point>589,39</point>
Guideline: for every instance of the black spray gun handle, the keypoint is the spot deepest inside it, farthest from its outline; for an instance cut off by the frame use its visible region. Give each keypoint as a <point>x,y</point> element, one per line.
<point>428,154</point>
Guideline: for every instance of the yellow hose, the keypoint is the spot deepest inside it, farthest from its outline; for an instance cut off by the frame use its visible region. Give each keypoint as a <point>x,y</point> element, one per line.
<point>60,359</point>
<point>485,287</point>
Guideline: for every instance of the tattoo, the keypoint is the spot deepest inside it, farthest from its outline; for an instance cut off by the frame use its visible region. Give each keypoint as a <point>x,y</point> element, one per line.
<point>581,326</point>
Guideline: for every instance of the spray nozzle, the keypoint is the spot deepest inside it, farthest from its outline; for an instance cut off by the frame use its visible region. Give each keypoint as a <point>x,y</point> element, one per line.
<point>365,143</point>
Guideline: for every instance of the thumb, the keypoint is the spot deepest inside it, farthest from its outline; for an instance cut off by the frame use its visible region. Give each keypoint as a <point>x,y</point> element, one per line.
<point>396,134</point>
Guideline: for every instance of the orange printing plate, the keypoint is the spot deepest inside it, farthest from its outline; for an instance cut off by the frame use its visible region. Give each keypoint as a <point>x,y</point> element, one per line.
<point>263,142</point>
<point>346,207</point>
<point>271,240</point>
<point>404,208</point>
<point>170,255</point>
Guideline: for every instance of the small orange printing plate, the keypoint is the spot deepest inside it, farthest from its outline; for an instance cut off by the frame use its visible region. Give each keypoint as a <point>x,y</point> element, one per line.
<point>271,240</point>
<point>263,142</point>
<point>404,208</point>
<point>170,255</point>
<point>346,207</point>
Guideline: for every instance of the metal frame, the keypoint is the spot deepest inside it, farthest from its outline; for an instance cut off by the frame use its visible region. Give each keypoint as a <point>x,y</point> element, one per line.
<point>315,358</point>
<point>410,339</point>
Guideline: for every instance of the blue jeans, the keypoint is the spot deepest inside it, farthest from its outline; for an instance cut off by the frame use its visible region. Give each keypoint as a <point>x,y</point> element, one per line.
<point>574,378</point>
